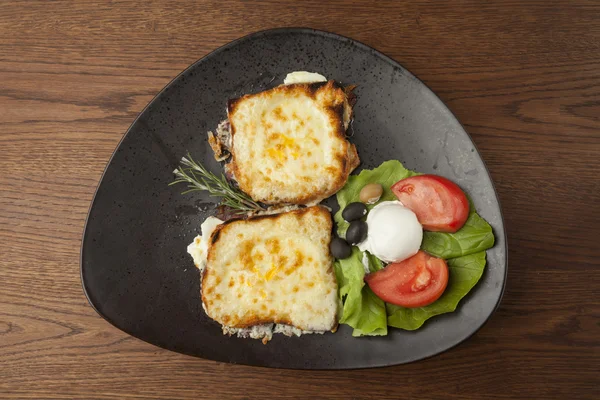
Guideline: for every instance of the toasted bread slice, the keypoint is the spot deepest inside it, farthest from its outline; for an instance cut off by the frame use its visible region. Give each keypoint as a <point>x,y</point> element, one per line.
<point>289,145</point>
<point>272,269</point>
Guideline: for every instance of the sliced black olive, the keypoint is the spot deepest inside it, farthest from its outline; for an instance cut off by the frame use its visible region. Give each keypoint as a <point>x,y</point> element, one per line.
<point>340,249</point>
<point>357,232</point>
<point>354,211</point>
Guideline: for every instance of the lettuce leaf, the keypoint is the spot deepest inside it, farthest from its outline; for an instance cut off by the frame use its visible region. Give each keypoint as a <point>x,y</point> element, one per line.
<point>463,250</point>
<point>464,274</point>
<point>361,309</point>
<point>386,174</point>
<point>475,235</point>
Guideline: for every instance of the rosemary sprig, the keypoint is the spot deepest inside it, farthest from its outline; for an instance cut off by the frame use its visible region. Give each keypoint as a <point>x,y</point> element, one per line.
<point>199,178</point>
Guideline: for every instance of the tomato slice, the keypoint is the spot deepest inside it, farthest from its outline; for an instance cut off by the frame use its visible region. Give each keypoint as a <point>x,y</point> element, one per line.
<point>415,282</point>
<point>440,205</point>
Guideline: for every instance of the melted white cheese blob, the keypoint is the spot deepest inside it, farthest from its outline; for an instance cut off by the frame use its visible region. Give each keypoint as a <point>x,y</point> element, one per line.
<point>303,77</point>
<point>198,249</point>
<point>394,232</point>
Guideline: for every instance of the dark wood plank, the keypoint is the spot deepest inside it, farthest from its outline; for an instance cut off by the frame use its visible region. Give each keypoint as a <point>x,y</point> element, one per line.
<point>523,77</point>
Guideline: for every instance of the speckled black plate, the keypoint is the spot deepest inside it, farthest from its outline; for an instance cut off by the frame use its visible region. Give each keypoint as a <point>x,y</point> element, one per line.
<point>134,266</point>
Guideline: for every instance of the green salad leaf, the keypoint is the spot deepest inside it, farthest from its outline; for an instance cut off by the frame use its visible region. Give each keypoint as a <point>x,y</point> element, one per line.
<point>361,309</point>
<point>475,235</point>
<point>464,273</point>
<point>386,174</point>
<point>463,250</point>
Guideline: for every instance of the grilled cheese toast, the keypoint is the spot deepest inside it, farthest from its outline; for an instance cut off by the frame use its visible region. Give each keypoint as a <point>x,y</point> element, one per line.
<point>288,144</point>
<point>271,269</point>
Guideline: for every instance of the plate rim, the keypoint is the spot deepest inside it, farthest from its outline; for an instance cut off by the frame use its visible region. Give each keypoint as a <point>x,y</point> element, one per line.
<point>371,50</point>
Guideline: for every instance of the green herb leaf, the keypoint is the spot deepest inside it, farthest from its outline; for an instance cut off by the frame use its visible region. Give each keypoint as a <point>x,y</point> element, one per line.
<point>198,178</point>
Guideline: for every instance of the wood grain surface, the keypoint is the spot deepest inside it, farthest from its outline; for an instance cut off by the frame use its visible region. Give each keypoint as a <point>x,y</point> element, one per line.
<point>522,76</point>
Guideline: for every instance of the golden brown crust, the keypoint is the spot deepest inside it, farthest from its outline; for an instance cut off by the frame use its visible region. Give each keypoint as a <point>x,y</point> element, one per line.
<point>217,147</point>
<point>299,212</point>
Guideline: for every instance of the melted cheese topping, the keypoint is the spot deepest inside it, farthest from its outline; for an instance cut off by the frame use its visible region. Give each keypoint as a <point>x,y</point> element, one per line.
<point>289,144</point>
<point>273,269</point>
<point>198,249</point>
<point>303,77</point>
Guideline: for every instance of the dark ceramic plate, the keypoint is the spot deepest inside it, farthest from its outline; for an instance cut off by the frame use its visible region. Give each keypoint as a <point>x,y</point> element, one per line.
<point>134,266</point>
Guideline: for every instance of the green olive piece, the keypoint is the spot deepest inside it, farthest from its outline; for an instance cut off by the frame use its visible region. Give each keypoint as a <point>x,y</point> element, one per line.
<point>371,193</point>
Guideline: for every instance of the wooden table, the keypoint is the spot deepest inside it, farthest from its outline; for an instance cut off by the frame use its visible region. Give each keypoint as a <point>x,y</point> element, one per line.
<point>524,79</point>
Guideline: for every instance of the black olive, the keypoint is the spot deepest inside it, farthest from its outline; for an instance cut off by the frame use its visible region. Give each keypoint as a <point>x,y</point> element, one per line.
<point>354,211</point>
<point>340,249</point>
<point>357,232</point>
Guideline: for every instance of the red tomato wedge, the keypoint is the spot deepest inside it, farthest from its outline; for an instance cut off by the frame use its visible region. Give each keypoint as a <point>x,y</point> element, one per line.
<point>440,205</point>
<point>415,282</point>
